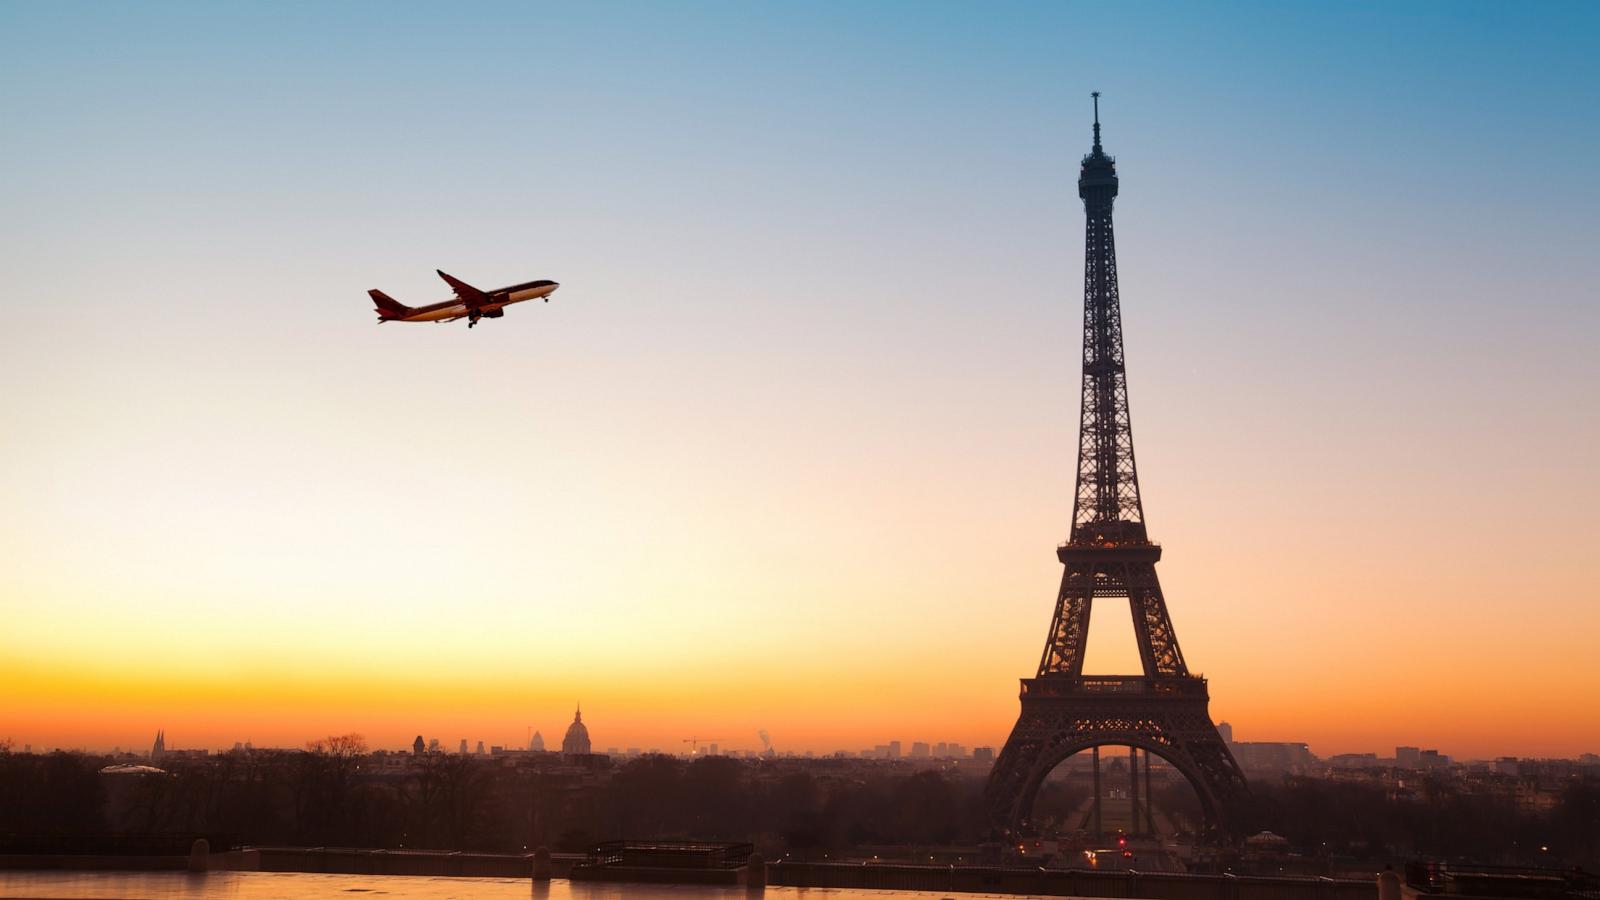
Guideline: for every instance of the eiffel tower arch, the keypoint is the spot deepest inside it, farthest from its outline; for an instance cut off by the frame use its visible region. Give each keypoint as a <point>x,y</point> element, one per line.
<point>1061,718</point>
<point>1164,710</point>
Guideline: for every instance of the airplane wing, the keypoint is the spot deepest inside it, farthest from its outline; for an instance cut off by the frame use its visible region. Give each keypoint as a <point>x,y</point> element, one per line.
<point>466,293</point>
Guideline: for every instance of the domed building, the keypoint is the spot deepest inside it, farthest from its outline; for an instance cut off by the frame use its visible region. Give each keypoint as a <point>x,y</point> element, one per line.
<point>576,742</point>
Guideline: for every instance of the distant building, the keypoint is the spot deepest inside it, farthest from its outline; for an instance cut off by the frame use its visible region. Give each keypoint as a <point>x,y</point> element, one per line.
<point>1353,761</point>
<point>463,746</point>
<point>985,754</point>
<point>1408,757</point>
<point>417,747</point>
<point>537,743</point>
<point>919,750</point>
<point>480,748</point>
<point>577,740</point>
<point>160,746</point>
<point>894,749</point>
<point>1226,731</point>
<point>1266,845</point>
<point>1276,757</point>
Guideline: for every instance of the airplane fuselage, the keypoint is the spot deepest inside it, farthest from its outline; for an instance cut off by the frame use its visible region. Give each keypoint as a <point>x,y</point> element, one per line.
<point>499,300</point>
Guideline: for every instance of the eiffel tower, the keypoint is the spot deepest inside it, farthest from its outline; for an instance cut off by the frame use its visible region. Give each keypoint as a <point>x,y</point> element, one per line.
<point>1109,556</point>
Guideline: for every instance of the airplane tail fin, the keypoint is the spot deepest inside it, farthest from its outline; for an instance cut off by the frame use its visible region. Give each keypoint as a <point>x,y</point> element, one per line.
<point>388,307</point>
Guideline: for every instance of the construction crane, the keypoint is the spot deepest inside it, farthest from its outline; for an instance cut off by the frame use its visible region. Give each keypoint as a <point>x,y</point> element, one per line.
<point>695,742</point>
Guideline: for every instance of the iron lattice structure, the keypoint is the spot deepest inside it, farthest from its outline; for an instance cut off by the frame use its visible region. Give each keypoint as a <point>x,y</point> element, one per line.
<point>1108,556</point>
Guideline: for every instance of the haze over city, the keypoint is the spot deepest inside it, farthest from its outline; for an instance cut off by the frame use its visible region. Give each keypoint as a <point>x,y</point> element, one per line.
<point>794,445</point>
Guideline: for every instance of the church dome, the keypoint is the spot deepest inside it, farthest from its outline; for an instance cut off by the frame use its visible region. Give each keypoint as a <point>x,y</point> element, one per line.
<point>577,739</point>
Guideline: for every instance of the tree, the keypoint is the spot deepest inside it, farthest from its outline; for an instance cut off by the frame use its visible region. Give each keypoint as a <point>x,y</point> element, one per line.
<point>322,786</point>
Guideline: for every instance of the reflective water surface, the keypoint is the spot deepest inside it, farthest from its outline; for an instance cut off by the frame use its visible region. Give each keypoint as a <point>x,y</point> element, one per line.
<point>295,885</point>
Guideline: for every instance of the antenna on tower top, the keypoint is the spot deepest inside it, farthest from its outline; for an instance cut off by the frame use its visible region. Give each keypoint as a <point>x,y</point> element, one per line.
<point>1096,96</point>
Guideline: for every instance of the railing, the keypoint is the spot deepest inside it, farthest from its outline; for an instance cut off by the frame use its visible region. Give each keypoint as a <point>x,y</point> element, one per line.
<point>1469,879</point>
<point>1127,883</point>
<point>670,854</point>
<point>107,844</point>
<point>434,863</point>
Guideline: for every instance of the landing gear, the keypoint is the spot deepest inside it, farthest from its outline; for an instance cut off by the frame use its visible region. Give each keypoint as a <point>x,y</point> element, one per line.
<point>473,317</point>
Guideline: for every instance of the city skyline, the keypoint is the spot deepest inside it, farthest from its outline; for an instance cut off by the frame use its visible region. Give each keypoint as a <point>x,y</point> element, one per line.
<point>792,448</point>
<point>888,748</point>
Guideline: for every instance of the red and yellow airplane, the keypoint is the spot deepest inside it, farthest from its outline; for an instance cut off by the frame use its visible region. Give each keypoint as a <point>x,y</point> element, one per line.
<point>470,303</point>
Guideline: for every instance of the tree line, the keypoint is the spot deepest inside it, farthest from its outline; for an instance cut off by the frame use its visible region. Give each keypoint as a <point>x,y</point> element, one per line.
<point>333,795</point>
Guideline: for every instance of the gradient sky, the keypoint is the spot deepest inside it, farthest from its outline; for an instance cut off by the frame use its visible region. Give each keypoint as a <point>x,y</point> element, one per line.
<point>793,446</point>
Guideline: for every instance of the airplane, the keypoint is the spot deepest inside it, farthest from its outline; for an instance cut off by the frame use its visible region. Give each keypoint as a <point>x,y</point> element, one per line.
<point>470,303</point>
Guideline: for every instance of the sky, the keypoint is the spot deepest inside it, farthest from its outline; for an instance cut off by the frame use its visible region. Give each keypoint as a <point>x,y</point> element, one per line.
<point>792,447</point>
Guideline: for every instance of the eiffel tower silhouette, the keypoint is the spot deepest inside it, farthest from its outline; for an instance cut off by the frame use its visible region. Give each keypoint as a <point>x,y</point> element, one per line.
<point>1109,556</point>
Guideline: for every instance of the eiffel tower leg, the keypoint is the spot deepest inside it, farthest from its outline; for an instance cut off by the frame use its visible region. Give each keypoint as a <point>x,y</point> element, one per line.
<point>1216,768</point>
<point>1063,652</point>
<point>1009,780</point>
<point>1152,625</point>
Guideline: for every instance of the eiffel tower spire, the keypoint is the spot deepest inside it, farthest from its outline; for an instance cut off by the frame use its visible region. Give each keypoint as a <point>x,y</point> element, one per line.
<point>1096,96</point>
